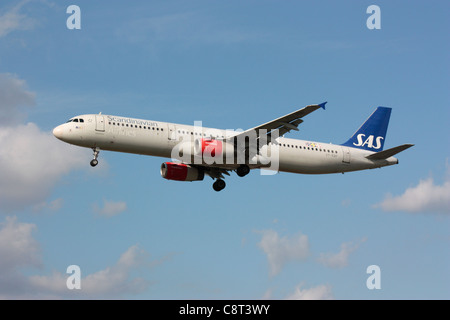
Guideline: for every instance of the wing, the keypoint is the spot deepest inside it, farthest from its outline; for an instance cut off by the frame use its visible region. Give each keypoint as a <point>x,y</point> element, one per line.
<point>283,124</point>
<point>246,142</point>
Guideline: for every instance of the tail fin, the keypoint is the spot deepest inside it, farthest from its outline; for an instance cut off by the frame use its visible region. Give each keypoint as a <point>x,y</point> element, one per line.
<point>372,133</point>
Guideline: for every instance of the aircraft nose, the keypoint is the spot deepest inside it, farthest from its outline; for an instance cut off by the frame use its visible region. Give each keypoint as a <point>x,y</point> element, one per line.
<point>58,132</point>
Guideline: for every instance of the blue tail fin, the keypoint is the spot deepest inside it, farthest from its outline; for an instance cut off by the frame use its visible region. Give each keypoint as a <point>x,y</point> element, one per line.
<point>372,133</point>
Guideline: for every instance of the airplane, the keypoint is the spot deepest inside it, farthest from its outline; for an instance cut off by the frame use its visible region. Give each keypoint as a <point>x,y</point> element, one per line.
<point>197,151</point>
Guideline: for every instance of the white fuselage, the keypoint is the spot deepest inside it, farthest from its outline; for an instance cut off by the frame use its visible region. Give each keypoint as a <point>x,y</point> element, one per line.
<point>155,138</point>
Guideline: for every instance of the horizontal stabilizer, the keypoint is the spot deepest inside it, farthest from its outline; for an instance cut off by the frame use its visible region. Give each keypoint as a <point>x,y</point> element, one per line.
<point>389,152</point>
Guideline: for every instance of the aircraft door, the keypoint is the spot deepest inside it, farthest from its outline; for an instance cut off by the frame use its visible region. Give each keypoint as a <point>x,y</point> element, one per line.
<point>99,123</point>
<point>346,155</point>
<point>172,132</point>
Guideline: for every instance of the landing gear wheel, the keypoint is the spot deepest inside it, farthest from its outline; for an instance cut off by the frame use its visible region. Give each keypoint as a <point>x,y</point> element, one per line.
<point>219,185</point>
<point>243,170</point>
<point>94,161</point>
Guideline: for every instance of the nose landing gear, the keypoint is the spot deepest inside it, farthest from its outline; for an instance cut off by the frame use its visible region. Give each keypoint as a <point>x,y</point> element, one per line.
<point>94,161</point>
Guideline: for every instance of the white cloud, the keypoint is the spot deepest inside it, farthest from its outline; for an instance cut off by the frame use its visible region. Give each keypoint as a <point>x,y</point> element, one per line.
<point>110,208</point>
<point>321,292</point>
<point>280,251</point>
<point>110,282</point>
<point>18,250</point>
<point>13,95</point>
<point>268,294</point>
<point>426,197</point>
<point>54,205</point>
<point>31,162</point>
<point>115,280</point>
<point>13,20</point>
<point>340,259</point>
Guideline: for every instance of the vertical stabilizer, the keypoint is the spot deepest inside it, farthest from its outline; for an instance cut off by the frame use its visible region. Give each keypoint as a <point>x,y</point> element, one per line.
<point>372,134</point>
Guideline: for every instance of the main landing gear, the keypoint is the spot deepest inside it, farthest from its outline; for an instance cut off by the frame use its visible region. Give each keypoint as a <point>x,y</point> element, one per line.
<point>94,161</point>
<point>243,170</point>
<point>219,184</point>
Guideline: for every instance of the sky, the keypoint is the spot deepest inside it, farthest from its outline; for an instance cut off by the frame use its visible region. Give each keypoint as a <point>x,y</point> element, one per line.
<point>231,65</point>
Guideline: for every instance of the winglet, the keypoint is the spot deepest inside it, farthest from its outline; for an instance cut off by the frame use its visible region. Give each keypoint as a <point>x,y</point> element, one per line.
<point>322,105</point>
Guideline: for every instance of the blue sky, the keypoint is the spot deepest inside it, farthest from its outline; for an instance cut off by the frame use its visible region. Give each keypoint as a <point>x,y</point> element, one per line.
<point>230,64</point>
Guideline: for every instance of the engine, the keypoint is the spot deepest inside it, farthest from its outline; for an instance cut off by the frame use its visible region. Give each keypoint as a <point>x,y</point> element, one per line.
<point>181,172</point>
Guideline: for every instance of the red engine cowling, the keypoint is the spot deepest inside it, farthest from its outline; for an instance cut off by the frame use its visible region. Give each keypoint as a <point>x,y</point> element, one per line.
<point>180,172</point>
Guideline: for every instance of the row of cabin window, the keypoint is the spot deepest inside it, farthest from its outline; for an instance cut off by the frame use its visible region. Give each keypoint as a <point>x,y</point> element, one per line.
<point>284,145</point>
<point>136,126</point>
<point>196,133</point>
<point>308,148</point>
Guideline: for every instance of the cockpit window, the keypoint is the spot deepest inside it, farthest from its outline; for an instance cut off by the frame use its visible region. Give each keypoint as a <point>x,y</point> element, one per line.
<point>75,120</point>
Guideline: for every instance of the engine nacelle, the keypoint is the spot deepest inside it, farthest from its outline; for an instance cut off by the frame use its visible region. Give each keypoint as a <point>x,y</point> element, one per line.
<point>180,172</point>
<point>211,149</point>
